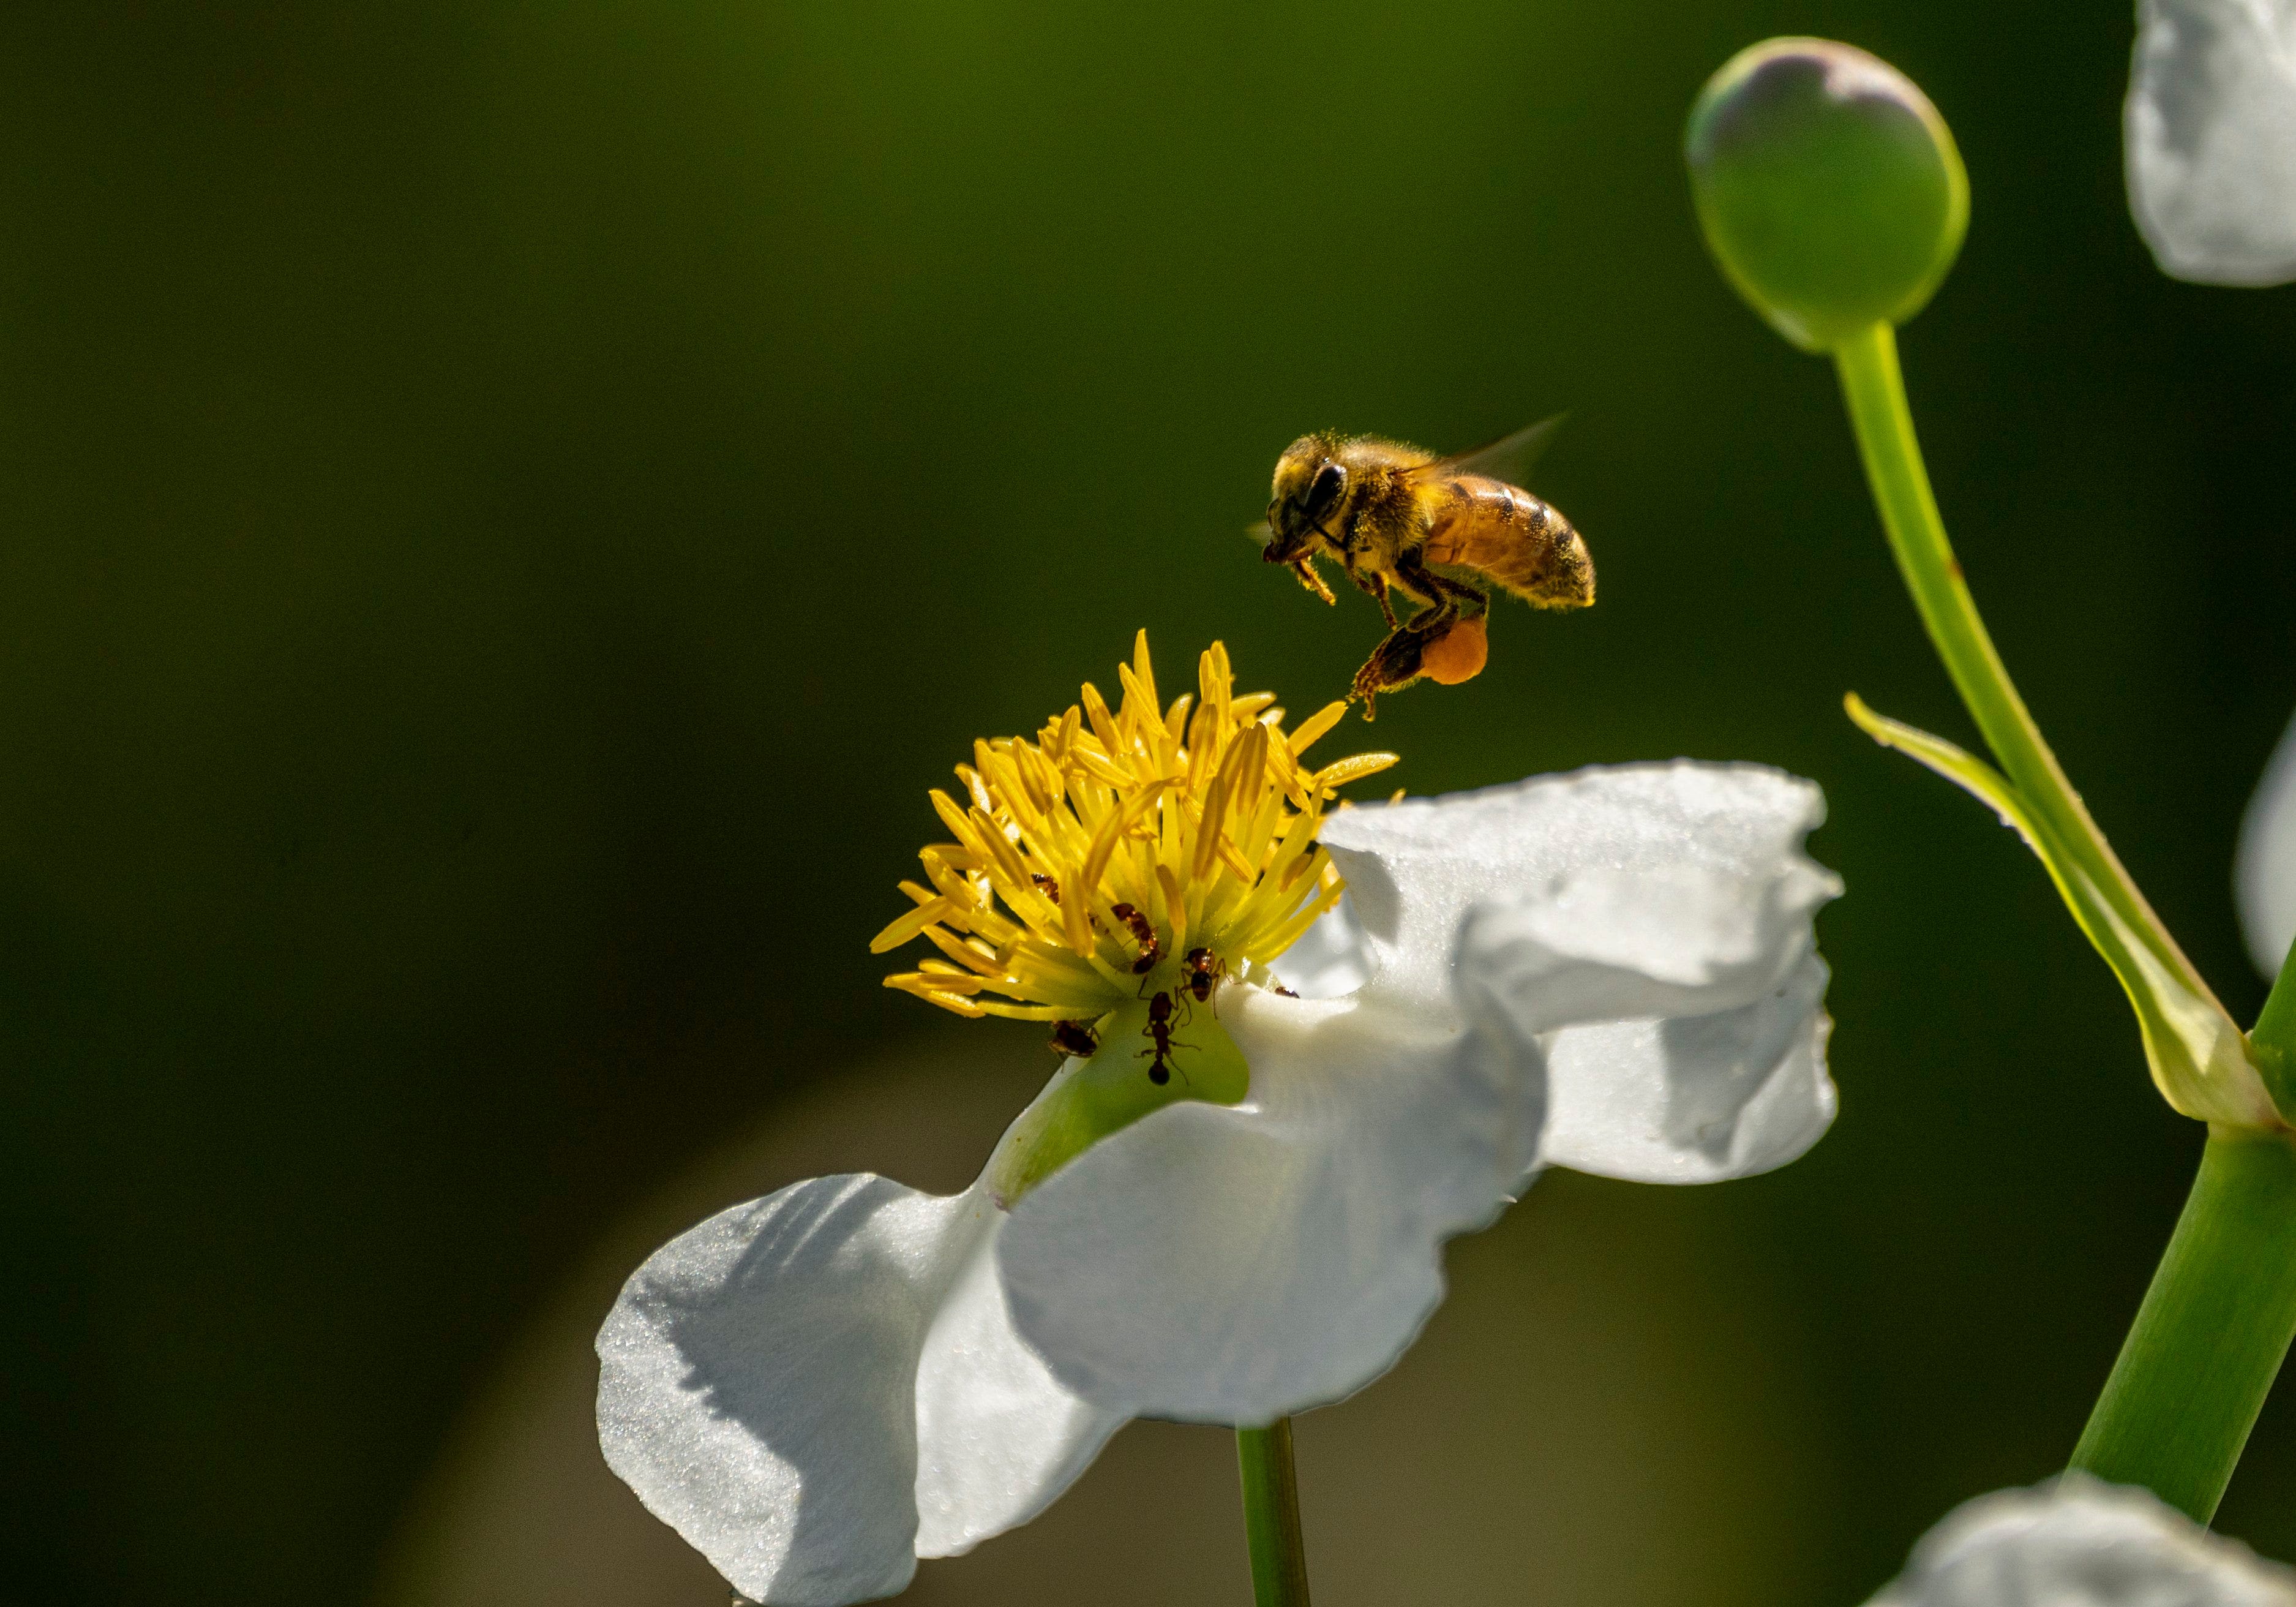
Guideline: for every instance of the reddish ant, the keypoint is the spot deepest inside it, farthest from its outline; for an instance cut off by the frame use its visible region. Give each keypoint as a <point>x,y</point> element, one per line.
<point>1075,1038</point>
<point>1151,947</point>
<point>1160,1028</point>
<point>1201,971</point>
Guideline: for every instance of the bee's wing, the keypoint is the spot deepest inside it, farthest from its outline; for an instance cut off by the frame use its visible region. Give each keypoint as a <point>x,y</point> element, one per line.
<point>1510,458</point>
<point>1259,535</point>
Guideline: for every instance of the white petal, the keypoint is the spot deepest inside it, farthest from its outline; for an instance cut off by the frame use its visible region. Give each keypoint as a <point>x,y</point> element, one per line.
<point>1656,919</point>
<point>2079,1542</point>
<point>2264,871</point>
<point>1331,958</point>
<point>758,1383</point>
<point>997,1438</point>
<point>1608,945</point>
<point>1415,868</point>
<point>797,1383</point>
<point>1703,1054</point>
<point>2211,136</point>
<point>1694,1099</point>
<point>1234,1264</point>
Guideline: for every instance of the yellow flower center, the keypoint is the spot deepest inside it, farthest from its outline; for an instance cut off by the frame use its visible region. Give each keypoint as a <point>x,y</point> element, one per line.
<point>1126,853</point>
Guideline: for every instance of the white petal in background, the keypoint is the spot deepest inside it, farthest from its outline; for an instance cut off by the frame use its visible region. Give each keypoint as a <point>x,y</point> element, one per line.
<point>1232,1265</point>
<point>2264,870</point>
<point>817,1387</point>
<point>2211,138</point>
<point>2079,1542</point>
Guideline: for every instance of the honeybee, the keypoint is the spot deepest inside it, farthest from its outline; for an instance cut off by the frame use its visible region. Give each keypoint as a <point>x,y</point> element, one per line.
<point>1441,531</point>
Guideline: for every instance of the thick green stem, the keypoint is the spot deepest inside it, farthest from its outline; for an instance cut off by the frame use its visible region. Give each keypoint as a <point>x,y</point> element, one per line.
<point>1876,393</point>
<point>2209,1338</point>
<point>1271,1515</point>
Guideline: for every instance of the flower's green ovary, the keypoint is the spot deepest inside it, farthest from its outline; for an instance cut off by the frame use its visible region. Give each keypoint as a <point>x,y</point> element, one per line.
<point>1089,1099</point>
<point>2219,1081</point>
<point>2211,1336</point>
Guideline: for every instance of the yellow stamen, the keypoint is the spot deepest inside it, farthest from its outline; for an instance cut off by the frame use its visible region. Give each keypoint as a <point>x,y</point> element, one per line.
<point>1104,724</point>
<point>1318,723</point>
<point>904,927</point>
<point>1353,769</point>
<point>1198,817</point>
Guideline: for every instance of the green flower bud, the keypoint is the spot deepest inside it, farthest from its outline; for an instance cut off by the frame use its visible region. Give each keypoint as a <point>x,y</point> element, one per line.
<point>1828,187</point>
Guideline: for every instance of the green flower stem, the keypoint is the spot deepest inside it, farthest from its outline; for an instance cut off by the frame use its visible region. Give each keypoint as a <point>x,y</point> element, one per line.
<point>2209,1338</point>
<point>1271,1515</point>
<point>1876,393</point>
<point>2272,1041</point>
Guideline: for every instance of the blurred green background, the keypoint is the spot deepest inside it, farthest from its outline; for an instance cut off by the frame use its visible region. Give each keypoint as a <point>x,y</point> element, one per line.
<point>504,509</point>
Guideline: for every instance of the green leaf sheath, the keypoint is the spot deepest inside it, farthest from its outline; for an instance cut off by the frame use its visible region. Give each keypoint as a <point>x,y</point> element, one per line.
<point>2199,1058</point>
<point>2209,1338</point>
<point>1874,391</point>
<point>1271,1515</point>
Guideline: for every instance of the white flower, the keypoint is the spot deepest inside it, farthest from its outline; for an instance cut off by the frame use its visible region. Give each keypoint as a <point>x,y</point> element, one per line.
<point>2264,870</point>
<point>1613,971</point>
<point>2081,1543</point>
<point>2211,138</point>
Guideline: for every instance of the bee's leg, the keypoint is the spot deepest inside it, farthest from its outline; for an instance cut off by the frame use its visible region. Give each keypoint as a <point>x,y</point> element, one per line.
<point>1393,664</point>
<point>1305,568</point>
<point>1445,599</point>
<point>1374,586</point>
<point>1415,582</point>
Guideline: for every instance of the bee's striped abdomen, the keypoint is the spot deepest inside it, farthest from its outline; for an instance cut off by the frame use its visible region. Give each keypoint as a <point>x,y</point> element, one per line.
<point>1513,538</point>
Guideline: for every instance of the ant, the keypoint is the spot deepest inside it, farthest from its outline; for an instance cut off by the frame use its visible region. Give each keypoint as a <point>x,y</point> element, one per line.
<point>1160,1028</point>
<point>1075,1038</point>
<point>1201,971</point>
<point>1151,947</point>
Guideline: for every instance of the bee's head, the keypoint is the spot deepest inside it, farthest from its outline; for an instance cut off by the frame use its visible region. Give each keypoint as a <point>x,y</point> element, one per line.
<point>1311,486</point>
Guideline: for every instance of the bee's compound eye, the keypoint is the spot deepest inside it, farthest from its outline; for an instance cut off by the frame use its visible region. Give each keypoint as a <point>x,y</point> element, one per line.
<point>1324,490</point>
